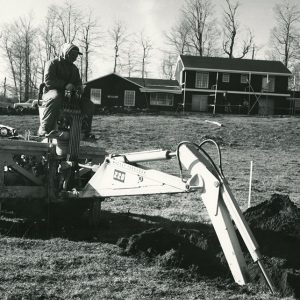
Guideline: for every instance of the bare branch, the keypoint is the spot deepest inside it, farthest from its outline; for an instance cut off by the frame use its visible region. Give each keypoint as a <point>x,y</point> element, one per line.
<point>89,39</point>
<point>168,65</point>
<point>285,35</point>
<point>118,36</point>
<point>146,45</point>
<point>178,38</point>
<point>231,31</point>
<point>199,16</point>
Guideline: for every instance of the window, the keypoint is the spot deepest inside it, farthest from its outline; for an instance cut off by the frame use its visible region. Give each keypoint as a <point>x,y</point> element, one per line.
<point>96,96</point>
<point>201,80</point>
<point>161,99</point>
<point>129,98</point>
<point>226,77</point>
<point>268,84</point>
<point>244,78</point>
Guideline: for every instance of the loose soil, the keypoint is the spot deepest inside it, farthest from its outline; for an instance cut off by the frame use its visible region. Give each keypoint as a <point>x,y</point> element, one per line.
<point>272,221</point>
<point>163,247</point>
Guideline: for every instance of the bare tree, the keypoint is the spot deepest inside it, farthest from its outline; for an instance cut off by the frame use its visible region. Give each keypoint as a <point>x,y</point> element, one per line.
<point>255,49</point>
<point>168,65</point>
<point>178,38</point>
<point>131,64</point>
<point>28,39</point>
<point>68,21</point>
<point>90,37</point>
<point>285,35</point>
<point>50,40</point>
<point>199,17</point>
<point>49,33</point>
<point>146,45</point>
<point>231,29</point>
<point>19,45</point>
<point>118,36</point>
<point>7,46</point>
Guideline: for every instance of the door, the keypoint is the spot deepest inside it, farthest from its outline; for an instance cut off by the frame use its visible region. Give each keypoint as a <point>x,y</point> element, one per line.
<point>266,106</point>
<point>199,103</point>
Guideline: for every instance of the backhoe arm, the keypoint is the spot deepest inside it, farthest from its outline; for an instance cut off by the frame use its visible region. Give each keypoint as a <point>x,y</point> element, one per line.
<point>122,175</point>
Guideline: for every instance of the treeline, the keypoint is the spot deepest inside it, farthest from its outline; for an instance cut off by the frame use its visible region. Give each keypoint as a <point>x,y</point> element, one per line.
<point>26,46</point>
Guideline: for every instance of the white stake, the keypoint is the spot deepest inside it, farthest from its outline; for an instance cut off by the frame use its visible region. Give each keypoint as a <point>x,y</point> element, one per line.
<point>250,184</point>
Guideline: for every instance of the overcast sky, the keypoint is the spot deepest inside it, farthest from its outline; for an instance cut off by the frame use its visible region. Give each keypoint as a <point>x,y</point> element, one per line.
<point>153,16</point>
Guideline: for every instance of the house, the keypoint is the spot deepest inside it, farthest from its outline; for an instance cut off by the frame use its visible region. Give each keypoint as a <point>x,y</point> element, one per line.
<point>113,90</point>
<point>233,85</point>
<point>207,84</point>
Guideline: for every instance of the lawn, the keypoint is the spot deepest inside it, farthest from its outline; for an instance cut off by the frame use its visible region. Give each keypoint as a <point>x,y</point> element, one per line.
<point>87,263</point>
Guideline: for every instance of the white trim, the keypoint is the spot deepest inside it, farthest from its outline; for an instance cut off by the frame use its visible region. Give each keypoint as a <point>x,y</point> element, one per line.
<point>147,90</point>
<point>179,61</point>
<point>237,92</point>
<point>158,85</point>
<point>234,71</point>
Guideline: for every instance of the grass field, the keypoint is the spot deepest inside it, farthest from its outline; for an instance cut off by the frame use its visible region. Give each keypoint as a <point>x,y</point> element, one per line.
<point>62,268</point>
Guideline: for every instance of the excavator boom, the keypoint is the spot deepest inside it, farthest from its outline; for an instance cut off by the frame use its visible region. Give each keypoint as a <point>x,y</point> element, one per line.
<point>123,175</point>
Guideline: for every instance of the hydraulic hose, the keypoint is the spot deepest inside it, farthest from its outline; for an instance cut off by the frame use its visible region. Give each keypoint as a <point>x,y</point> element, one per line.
<point>199,148</point>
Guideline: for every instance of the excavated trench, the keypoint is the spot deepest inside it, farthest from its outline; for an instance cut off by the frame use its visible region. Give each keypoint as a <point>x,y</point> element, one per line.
<point>275,224</point>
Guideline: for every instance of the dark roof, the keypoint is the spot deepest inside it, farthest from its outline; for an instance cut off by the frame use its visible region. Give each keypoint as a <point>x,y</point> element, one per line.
<point>154,83</point>
<point>234,64</point>
<point>148,83</point>
<point>110,74</point>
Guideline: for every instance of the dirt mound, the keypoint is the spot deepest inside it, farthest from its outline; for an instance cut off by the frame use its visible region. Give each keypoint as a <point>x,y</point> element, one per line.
<point>275,224</point>
<point>176,249</point>
<point>279,214</point>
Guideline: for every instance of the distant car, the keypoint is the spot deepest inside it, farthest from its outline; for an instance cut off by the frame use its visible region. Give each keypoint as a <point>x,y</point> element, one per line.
<point>31,103</point>
<point>7,131</point>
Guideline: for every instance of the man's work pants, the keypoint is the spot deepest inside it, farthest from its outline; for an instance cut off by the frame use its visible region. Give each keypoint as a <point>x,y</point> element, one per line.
<point>52,106</point>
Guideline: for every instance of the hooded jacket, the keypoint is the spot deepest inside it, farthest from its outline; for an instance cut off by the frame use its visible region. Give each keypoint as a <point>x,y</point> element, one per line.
<point>59,71</point>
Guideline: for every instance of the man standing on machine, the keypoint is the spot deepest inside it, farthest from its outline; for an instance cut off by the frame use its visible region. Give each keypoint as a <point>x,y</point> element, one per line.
<point>62,74</point>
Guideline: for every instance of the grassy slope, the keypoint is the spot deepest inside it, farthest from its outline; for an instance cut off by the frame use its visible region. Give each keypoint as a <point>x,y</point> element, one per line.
<point>65,269</point>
